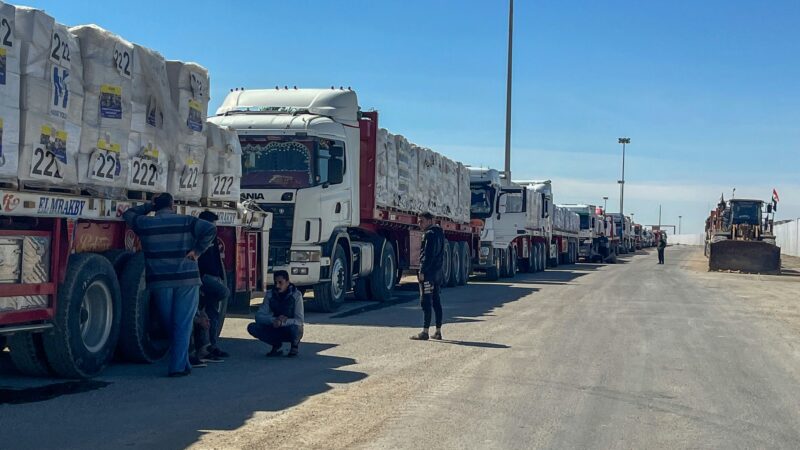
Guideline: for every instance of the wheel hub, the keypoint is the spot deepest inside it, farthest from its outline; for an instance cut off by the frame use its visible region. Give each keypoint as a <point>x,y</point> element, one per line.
<point>96,316</point>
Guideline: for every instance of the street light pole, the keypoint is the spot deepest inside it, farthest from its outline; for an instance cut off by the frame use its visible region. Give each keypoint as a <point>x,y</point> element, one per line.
<point>605,202</point>
<point>623,141</point>
<point>679,224</point>
<point>508,90</point>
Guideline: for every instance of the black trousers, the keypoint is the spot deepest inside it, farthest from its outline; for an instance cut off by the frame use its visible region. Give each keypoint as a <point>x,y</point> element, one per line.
<point>429,299</point>
<point>661,256</point>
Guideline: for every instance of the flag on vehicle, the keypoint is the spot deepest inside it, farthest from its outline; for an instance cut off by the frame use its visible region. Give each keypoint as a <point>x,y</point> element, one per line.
<point>775,199</point>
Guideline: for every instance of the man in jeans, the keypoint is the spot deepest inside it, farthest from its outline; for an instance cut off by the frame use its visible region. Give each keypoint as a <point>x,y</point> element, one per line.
<point>431,276</point>
<point>280,317</point>
<point>213,289</point>
<point>171,244</point>
<point>662,244</point>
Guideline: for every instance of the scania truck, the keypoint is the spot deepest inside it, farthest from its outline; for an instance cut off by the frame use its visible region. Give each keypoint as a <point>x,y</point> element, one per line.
<point>310,157</point>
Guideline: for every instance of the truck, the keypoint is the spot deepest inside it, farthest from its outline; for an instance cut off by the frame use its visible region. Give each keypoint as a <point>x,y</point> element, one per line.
<point>740,237</point>
<point>73,282</point>
<point>595,243</point>
<point>554,226</point>
<point>624,232</point>
<point>311,157</point>
<point>638,236</point>
<point>504,211</point>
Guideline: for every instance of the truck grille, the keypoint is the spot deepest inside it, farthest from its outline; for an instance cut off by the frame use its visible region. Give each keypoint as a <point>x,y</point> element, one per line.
<point>280,236</point>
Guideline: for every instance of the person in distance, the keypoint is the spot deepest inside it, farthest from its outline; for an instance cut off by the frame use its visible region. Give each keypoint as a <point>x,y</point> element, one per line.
<point>431,276</point>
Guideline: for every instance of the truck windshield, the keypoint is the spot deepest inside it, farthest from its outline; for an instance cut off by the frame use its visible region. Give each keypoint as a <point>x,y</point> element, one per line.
<point>746,212</point>
<point>293,162</point>
<point>482,200</point>
<point>585,221</point>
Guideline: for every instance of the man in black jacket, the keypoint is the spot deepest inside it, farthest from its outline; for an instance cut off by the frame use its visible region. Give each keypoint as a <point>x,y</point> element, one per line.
<point>214,289</point>
<point>431,275</point>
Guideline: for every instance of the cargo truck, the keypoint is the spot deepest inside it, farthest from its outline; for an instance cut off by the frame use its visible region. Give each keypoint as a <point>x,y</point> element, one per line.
<point>73,283</point>
<point>505,213</point>
<point>555,227</point>
<point>311,157</point>
<point>595,243</point>
<point>624,232</point>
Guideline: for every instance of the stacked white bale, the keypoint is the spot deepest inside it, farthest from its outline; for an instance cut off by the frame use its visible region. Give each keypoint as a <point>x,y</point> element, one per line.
<point>154,125</point>
<point>383,195</point>
<point>9,94</point>
<point>408,196</point>
<point>190,96</point>
<point>108,70</point>
<point>427,177</point>
<point>52,100</point>
<point>464,193</point>
<point>222,171</point>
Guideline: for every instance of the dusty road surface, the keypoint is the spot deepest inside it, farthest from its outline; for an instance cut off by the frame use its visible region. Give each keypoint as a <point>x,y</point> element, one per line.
<point>633,355</point>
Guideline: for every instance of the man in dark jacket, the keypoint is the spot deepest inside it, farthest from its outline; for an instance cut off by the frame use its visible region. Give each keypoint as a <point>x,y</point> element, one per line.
<point>171,244</point>
<point>431,276</point>
<point>280,317</point>
<point>662,244</point>
<point>214,289</point>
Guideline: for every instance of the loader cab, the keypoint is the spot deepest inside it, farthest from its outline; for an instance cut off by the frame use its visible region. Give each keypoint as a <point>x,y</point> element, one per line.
<point>741,212</point>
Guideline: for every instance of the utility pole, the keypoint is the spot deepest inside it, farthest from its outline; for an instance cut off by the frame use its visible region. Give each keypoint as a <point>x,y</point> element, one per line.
<point>659,217</point>
<point>623,141</point>
<point>605,201</point>
<point>508,89</point>
<point>679,224</point>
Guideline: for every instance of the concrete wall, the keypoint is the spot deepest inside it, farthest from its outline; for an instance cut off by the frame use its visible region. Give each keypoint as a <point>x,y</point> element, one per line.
<point>686,239</point>
<point>787,236</point>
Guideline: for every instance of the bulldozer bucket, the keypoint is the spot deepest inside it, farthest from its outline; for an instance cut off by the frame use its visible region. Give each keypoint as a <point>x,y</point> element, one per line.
<point>745,256</point>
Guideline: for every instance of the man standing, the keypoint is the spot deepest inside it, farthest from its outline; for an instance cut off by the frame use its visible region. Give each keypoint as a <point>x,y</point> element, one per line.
<point>214,288</point>
<point>171,244</point>
<point>280,317</point>
<point>662,244</point>
<point>431,276</point>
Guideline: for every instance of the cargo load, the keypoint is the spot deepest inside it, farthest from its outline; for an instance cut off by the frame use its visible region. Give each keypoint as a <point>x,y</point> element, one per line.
<point>51,99</point>
<point>9,95</point>
<point>419,180</point>
<point>222,171</point>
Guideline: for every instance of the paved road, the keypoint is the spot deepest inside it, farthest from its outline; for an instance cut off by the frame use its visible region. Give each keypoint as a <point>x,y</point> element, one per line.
<point>633,355</point>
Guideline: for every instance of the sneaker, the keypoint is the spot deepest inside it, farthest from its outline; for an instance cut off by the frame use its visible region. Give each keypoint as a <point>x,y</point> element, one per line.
<point>437,335</point>
<point>275,352</point>
<point>422,336</point>
<point>293,352</point>
<point>211,358</point>
<point>196,363</point>
<point>180,374</point>
<point>219,353</point>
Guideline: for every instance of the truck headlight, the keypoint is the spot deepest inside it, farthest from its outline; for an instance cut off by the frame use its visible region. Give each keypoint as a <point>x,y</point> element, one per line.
<point>305,256</point>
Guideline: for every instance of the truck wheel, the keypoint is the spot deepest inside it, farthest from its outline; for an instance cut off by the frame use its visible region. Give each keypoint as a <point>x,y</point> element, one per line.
<point>118,259</point>
<point>328,297</point>
<point>27,354</point>
<point>493,273</point>
<point>463,251</point>
<point>87,318</point>
<point>512,262</point>
<point>542,257</point>
<point>382,280</point>
<point>144,338</point>
<point>446,263</point>
<point>455,265</point>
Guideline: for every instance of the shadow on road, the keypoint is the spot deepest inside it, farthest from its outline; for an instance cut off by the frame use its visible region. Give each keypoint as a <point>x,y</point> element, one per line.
<point>143,408</point>
<point>473,344</point>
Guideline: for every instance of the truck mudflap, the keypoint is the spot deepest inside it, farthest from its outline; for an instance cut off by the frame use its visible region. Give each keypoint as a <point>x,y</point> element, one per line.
<point>745,256</point>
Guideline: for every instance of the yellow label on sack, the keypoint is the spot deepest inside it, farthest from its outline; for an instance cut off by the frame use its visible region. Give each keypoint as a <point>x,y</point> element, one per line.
<point>2,51</point>
<point>193,104</point>
<point>189,162</point>
<point>151,152</point>
<point>1,123</point>
<point>46,130</point>
<point>108,146</point>
<point>61,135</point>
<point>109,89</point>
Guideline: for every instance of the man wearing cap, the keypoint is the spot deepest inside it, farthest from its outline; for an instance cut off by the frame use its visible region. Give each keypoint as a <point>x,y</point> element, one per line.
<point>214,289</point>
<point>172,243</point>
<point>431,276</point>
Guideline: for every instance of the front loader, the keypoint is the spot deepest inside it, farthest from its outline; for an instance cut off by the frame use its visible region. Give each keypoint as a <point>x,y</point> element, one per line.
<point>739,238</point>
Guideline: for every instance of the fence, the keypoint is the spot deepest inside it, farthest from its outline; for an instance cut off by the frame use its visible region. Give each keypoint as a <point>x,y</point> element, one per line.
<point>787,235</point>
<point>686,239</point>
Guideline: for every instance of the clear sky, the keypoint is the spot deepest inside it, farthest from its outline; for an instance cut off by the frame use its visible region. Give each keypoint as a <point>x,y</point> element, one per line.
<point>708,91</point>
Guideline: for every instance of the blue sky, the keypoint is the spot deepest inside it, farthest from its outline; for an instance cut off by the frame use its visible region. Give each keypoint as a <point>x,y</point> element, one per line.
<point>708,91</point>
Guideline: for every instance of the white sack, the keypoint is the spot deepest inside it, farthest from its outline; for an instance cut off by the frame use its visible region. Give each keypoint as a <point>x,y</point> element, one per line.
<point>148,164</point>
<point>105,164</point>
<point>9,143</point>
<point>189,90</point>
<point>186,172</point>
<point>49,151</point>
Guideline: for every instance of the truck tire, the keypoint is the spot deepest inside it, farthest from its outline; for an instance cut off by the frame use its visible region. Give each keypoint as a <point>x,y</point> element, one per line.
<point>455,265</point>
<point>329,296</point>
<point>118,259</point>
<point>512,262</point>
<point>446,263</point>
<point>361,289</point>
<point>144,338</point>
<point>493,273</point>
<point>542,252</point>
<point>466,262</point>
<point>87,318</point>
<point>382,280</point>
<point>27,354</point>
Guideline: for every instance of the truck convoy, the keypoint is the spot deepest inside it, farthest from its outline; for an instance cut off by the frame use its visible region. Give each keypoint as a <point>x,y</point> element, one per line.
<point>345,194</point>
<point>91,125</point>
<point>623,228</point>
<point>739,236</point>
<point>598,240</point>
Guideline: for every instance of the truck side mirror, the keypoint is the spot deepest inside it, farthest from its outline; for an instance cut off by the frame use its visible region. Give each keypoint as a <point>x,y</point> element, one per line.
<point>335,171</point>
<point>502,204</point>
